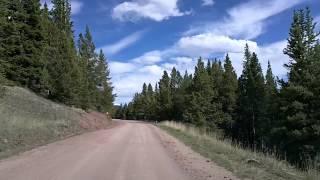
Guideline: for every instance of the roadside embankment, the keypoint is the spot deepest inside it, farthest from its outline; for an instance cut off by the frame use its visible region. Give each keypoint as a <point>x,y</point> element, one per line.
<point>28,120</point>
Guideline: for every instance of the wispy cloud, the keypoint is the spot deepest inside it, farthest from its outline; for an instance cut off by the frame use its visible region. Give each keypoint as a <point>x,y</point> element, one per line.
<point>76,7</point>
<point>157,10</point>
<point>119,68</point>
<point>246,20</point>
<point>207,2</point>
<point>123,43</point>
<point>151,57</point>
<point>317,20</point>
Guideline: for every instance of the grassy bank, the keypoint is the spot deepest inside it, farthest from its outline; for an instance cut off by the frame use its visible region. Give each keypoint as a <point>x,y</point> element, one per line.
<point>27,121</point>
<point>243,163</point>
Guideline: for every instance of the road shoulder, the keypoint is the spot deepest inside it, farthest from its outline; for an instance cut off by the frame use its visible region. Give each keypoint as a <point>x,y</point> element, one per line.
<point>195,165</point>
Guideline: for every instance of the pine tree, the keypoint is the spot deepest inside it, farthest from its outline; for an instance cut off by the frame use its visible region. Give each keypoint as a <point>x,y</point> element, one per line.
<point>63,66</point>
<point>296,47</point>
<point>91,60</point>
<point>3,23</point>
<point>251,100</point>
<point>181,97</point>
<point>21,42</point>
<point>313,141</point>
<point>209,67</point>
<point>85,101</point>
<point>256,95</point>
<point>310,33</point>
<point>202,110</point>
<point>12,17</point>
<point>174,81</point>
<point>88,60</point>
<point>37,51</point>
<point>61,14</point>
<point>144,89</point>
<point>164,98</point>
<point>151,103</point>
<point>240,131</point>
<point>150,92</point>
<point>272,106</point>
<point>298,125</point>
<point>33,41</point>
<point>4,17</point>
<point>175,85</point>
<point>228,95</point>
<point>105,96</point>
<point>139,104</point>
<point>217,74</point>
<point>217,83</point>
<point>48,51</point>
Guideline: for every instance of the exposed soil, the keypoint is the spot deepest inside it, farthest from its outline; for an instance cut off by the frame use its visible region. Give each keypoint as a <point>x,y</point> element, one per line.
<point>198,167</point>
<point>95,121</point>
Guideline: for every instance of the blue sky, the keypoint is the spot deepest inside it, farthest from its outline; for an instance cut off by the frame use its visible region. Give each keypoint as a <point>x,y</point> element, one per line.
<point>142,38</point>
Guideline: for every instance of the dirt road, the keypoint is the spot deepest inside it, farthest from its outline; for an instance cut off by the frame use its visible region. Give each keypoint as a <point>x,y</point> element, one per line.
<point>129,151</point>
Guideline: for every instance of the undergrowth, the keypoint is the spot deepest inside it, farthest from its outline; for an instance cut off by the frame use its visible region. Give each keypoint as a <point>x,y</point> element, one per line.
<point>27,120</point>
<point>243,163</point>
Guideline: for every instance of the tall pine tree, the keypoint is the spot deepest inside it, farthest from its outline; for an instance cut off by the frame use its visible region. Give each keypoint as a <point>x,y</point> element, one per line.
<point>299,122</point>
<point>228,95</point>
<point>251,100</point>
<point>165,98</point>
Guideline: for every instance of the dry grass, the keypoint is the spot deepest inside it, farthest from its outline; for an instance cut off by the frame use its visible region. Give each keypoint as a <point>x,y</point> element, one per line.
<point>243,163</point>
<point>28,120</point>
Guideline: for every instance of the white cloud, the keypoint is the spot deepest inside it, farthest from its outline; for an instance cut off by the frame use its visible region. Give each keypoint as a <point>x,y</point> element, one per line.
<point>151,57</point>
<point>151,69</point>
<point>246,20</point>
<point>121,67</point>
<point>209,43</point>
<point>75,5</point>
<point>129,77</point>
<point>127,86</point>
<point>207,2</point>
<point>317,20</point>
<point>157,10</point>
<point>128,81</point>
<point>123,43</point>
<point>274,53</point>
<point>181,63</point>
<point>271,52</point>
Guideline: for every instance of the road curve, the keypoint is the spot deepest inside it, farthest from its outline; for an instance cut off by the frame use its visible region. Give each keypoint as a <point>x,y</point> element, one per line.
<point>129,151</point>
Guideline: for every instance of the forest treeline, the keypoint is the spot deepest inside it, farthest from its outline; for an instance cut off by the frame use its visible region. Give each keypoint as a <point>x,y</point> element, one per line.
<point>38,51</point>
<point>256,110</point>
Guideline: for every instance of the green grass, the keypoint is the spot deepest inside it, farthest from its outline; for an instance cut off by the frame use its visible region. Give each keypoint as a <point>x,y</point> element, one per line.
<point>243,163</point>
<point>27,121</point>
